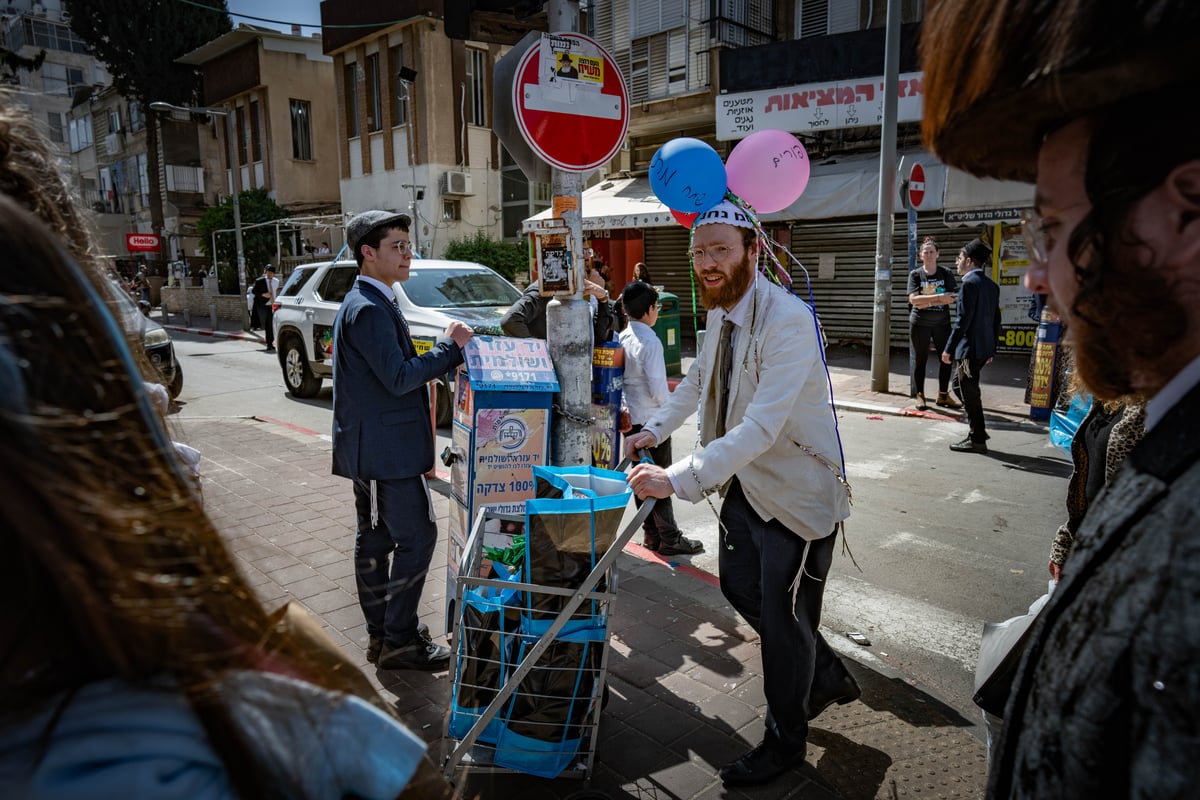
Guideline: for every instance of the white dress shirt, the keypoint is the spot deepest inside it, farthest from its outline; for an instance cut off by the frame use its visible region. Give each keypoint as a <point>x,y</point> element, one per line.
<point>645,384</point>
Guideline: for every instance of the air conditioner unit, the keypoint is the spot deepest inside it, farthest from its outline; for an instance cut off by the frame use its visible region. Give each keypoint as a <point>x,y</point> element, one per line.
<point>456,183</point>
<point>112,143</point>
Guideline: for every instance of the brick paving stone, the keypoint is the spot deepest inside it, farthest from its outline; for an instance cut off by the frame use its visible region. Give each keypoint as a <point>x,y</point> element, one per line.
<point>685,671</point>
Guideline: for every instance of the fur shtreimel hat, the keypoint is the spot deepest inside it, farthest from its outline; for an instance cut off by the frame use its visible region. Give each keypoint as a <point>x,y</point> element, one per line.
<point>1000,76</point>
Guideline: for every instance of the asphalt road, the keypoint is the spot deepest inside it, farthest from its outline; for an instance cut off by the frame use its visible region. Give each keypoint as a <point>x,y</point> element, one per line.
<point>943,541</point>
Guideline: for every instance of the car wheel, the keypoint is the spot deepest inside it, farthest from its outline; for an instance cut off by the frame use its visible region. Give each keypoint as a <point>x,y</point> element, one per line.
<point>444,402</point>
<point>176,384</point>
<point>297,376</point>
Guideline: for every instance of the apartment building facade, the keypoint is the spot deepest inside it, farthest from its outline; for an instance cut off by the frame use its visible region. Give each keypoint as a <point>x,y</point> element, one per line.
<point>414,124</point>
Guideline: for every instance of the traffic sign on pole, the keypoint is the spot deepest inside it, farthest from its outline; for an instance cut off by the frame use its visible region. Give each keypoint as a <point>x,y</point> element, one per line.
<point>916,186</point>
<point>571,102</point>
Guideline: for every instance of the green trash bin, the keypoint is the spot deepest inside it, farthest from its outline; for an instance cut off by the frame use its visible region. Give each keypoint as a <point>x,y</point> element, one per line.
<point>668,331</point>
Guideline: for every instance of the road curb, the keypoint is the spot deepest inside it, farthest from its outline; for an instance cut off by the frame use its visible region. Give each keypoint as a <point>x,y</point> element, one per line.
<point>249,337</point>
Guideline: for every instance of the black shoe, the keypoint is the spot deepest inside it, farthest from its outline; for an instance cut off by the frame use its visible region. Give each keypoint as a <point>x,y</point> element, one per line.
<point>682,546</point>
<point>651,544</point>
<point>421,653</point>
<point>761,765</point>
<point>844,691</point>
<point>375,643</point>
<point>969,446</point>
<point>270,349</point>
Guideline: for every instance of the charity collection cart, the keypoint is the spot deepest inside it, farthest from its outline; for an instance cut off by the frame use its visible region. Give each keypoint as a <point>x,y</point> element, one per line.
<point>530,631</point>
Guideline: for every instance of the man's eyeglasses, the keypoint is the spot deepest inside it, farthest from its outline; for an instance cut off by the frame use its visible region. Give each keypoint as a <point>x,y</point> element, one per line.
<point>402,247</point>
<point>1034,233</point>
<point>717,252</point>
<point>658,306</point>
<point>1033,229</point>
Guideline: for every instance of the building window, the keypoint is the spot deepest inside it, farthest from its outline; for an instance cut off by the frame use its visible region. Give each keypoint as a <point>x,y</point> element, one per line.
<point>350,89</point>
<point>81,133</point>
<point>374,106</point>
<point>476,87</point>
<point>57,126</point>
<point>255,133</point>
<point>136,120</point>
<point>144,180</point>
<point>301,130</point>
<point>400,90</point>
<point>114,120</point>
<point>451,209</point>
<point>59,79</point>
<point>242,135</point>
<point>655,16</point>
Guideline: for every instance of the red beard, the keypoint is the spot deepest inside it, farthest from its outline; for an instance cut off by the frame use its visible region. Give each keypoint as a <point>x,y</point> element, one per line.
<point>731,289</point>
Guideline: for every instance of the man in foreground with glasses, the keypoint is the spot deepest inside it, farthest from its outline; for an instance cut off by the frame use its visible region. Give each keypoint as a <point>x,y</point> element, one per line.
<point>1097,103</point>
<point>972,342</point>
<point>382,440</point>
<point>769,445</point>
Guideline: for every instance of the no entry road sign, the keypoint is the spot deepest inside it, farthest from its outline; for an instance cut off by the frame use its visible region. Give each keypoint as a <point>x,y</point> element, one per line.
<point>571,102</point>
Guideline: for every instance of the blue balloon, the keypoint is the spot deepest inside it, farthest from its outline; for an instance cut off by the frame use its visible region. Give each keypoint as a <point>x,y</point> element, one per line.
<point>688,176</point>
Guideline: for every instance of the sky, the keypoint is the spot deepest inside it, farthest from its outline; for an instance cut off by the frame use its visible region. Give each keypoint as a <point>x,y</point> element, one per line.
<point>304,12</point>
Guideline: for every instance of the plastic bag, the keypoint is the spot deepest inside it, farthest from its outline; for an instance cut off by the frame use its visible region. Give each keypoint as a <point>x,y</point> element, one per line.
<point>1065,422</point>
<point>1000,652</point>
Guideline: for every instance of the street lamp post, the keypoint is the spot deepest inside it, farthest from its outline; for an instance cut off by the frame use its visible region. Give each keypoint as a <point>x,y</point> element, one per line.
<point>407,75</point>
<point>227,113</point>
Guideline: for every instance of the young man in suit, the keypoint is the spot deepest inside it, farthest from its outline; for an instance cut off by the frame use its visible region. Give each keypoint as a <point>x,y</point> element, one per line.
<point>769,444</point>
<point>383,441</point>
<point>1097,107</point>
<point>972,342</point>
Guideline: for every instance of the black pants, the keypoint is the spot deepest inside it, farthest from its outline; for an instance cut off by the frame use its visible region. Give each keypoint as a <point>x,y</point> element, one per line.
<point>660,526</point>
<point>265,315</point>
<point>919,337</point>
<point>758,562</point>
<point>968,387</point>
<point>390,594</point>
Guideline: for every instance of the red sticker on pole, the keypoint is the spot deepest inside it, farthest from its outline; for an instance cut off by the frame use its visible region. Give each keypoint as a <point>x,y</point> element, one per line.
<point>571,102</point>
<point>142,242</point>
<point>916,186</point>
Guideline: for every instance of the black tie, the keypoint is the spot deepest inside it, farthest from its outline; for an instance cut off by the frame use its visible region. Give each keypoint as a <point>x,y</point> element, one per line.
<point>723,367</point>
<point>400,314</point>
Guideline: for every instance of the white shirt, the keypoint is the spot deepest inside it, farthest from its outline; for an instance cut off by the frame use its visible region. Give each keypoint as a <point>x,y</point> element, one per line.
<point>1172,393</point>
<point>645,382</point>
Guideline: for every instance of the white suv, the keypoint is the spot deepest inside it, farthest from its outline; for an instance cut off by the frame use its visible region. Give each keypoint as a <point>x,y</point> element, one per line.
<point>435,293</point>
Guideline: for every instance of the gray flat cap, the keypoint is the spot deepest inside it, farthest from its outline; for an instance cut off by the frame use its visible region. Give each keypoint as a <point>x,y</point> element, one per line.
<point>364,223</point>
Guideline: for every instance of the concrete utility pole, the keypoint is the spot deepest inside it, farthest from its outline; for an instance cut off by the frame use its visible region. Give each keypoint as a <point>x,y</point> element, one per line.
<point>569,319</point>
<point>881,319</point>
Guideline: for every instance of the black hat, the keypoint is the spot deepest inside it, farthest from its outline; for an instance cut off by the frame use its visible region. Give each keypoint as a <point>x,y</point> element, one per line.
<point>364,223</point>
<point>637,298</point>
<point>978,252</point>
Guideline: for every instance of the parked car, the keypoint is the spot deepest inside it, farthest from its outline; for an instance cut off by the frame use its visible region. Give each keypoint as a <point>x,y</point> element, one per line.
<point>155,339</point>
<point>435,293</point>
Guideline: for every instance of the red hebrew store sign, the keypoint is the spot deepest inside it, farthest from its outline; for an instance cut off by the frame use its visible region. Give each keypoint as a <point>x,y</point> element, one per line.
<point>142,242</point>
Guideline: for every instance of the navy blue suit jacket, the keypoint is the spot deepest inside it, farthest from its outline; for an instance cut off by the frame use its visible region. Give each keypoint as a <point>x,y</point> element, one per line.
<point>381,426</point>
<point>977,328</point>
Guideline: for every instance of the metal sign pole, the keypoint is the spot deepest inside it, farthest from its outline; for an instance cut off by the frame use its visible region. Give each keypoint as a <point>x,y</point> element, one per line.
<point>881,319</point>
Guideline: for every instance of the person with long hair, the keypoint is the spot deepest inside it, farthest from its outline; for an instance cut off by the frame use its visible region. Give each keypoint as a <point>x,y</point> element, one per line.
<point>134,659</point>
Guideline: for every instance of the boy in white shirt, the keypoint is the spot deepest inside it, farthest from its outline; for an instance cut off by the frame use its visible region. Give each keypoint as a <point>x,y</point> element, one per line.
<point>645,390</point>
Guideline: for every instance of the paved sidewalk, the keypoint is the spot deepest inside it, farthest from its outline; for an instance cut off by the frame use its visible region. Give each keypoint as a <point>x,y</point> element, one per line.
<point>685,672</point>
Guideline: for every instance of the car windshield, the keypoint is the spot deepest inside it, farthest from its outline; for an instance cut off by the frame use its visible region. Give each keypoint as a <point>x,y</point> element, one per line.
<point>439,287</point>
<point>297,279</point>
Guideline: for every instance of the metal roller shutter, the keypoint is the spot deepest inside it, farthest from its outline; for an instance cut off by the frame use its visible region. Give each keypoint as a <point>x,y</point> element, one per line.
<point>665,253</point>
<point>845,302</point>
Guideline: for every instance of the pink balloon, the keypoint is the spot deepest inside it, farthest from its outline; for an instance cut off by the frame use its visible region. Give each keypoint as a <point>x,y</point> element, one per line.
<point>768,169</point>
